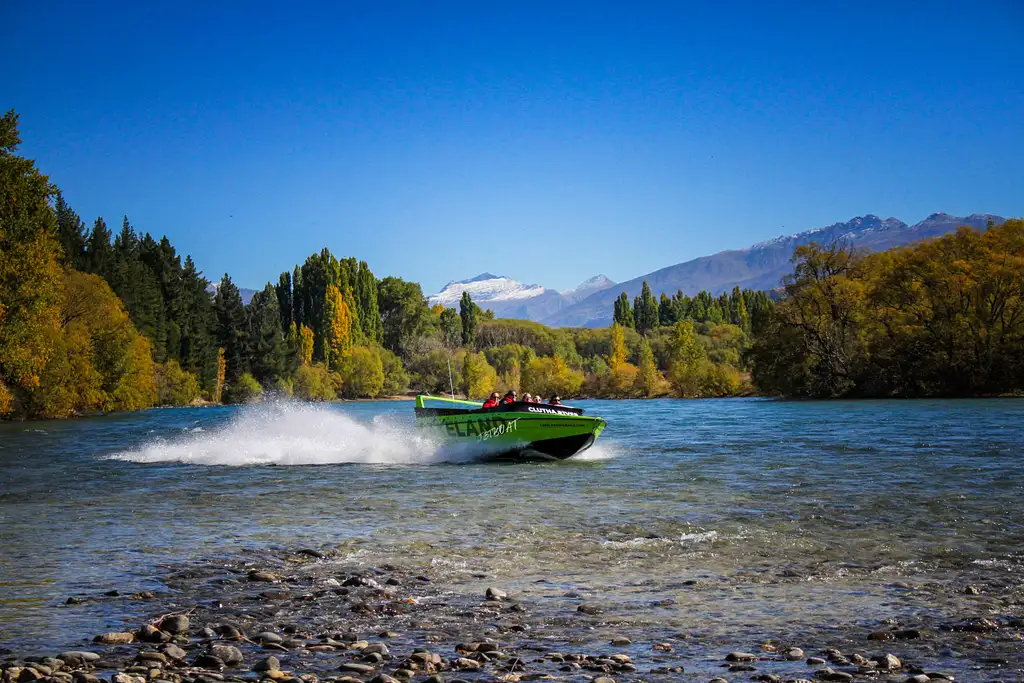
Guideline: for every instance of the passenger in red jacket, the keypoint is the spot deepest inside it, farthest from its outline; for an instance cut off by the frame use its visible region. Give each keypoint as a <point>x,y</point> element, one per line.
<point>492,402</point>
<point>510,397</point>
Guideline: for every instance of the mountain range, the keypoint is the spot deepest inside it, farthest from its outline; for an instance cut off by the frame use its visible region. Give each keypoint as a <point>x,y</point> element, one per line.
<point>760,266</point>
<point>511,299</point>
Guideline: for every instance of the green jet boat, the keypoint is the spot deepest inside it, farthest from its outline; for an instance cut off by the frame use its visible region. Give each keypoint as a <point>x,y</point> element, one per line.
<point>526,430</point>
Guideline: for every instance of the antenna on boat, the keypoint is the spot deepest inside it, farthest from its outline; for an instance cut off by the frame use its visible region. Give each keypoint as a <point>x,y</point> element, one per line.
<point>451,383</point>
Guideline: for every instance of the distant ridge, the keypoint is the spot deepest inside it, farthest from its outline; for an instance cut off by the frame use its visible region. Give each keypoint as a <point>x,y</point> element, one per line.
<point>762,265</point>
<point>509,298</point>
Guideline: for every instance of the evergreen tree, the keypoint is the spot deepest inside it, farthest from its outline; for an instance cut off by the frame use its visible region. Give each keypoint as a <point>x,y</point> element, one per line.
<point>451,328</point>
<point>283,291</point>
<point>738,314</point>
<point>467,311</point>
<point>666,311</point>
<point>623,312</point>
<point>645,311</point>
<point>197,322</point>
<point>71,233</point>
<point>369,313</point>
<point>269,361</point>
<point>99,255</point>
<point>231,329</point>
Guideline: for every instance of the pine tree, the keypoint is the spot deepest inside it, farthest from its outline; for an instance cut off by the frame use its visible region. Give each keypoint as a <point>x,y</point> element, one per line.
<point>451,328</point>
<point>623,312</point>
<point>467,311</point>
<point>268,360</point>
<point>99,255</point>
<point>232,336</point>
<point>71,233</point>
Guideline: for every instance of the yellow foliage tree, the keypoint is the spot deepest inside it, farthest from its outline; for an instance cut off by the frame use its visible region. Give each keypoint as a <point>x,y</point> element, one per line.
<point>649,381</point>
<point>30,277</point>
<point>305,345</point>
<point>337,327</point>
<point>549,376</point>
<point>222,370</point>
<point>478,377</point>
<point>618,353</point>
<point>101,362</point>
<point>175,387</point>
<point>362,373</point>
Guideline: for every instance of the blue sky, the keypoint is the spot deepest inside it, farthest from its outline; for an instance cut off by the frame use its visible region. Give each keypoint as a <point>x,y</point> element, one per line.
<point>545,141</point>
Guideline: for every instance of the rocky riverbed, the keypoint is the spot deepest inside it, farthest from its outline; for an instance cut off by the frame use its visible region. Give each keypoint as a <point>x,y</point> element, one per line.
<point>315,615</point>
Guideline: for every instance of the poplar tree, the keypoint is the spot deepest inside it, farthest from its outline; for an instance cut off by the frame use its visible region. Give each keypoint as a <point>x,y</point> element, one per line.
<point>467,311</point>
<point>623,312</point>
<point>645,310</point>
<point>337,326</point>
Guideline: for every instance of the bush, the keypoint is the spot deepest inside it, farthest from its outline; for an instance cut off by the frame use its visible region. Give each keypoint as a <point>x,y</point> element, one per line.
<point>362,373</point>
<point>244,390</point>
<point>396,379</point>
<point>174,386</point>
<point>313,383</point>
<point>550,376</point>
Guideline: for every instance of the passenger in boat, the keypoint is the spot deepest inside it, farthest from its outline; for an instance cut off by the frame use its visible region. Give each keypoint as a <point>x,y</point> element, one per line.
<point>527,398</point>
<point>554,401</point>
<point>491,402</point>
<point>510,397</point>
<point>536,399</point>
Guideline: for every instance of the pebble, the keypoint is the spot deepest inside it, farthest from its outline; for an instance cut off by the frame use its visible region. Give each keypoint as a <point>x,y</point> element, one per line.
<point>174,652</point>
<point>77,657</point>
<point>496,594</point>
<point>794,654</point>
<point>919,678</point>
<point>888,662</point>
<point>177,623</point>
<point>604,679</point>
<point>621,641</point>
<point>208,662</point>
<point>740,657</point>
<point>355,667</point>
<point>815,661</point>
<point>589,610</point>
<point>115,638</point>
<point>267,637</point>
<point>718,680</point>
<point>271,663</point>
<point>383,678</point>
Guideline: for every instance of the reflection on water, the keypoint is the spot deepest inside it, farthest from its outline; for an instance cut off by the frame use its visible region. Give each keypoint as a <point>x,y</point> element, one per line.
<point>737,516</point>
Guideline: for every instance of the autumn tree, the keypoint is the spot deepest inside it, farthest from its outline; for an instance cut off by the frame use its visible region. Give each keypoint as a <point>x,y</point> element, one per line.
<point>645,311</point>
<point>31,281</point>
<point>478,377</point>
<point>337,327</point>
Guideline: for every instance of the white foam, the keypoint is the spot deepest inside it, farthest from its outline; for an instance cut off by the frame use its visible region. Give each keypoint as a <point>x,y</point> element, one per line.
<point>599,451</point>
<point>698,537</point>
<point>291,433</point>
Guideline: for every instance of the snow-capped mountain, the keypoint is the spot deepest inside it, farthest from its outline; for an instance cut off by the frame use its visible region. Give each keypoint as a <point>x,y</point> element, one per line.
<point>588,287</point>
<point>509,298</point>
<point>486,288</point>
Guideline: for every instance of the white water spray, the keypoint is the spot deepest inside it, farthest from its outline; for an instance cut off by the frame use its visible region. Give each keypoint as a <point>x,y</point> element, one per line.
<point>286,433</point>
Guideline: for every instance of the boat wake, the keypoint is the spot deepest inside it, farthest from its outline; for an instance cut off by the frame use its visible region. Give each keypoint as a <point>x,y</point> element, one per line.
<point>287,433</point>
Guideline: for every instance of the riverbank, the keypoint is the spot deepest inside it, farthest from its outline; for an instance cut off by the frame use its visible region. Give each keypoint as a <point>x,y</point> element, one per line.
<point>316,614</point>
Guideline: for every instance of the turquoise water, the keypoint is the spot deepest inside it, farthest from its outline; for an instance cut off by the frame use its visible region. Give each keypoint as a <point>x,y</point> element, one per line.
<point>740,519</point>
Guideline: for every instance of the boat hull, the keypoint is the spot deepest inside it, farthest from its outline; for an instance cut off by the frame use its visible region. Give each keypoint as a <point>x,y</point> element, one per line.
<point>517,430</point>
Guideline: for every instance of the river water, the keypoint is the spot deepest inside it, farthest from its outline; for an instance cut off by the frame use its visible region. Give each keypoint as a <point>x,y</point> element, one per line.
<point>738,520</point>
